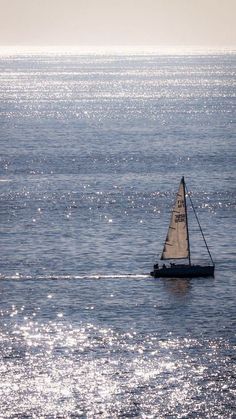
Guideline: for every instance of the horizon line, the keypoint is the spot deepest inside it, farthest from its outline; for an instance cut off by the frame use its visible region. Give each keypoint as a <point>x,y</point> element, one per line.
<point>118,49</point>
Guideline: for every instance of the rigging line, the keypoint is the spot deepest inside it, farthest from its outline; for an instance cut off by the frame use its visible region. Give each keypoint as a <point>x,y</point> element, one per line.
<point>199,225</point>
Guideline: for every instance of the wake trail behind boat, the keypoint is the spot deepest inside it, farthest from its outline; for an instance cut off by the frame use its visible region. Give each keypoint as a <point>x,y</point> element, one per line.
<point>20,277</point>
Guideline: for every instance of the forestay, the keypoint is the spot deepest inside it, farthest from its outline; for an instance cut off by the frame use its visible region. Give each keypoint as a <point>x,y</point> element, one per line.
<point>176,244</point>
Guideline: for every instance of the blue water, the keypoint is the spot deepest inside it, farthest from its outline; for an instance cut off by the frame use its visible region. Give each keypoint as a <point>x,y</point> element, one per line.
<point>93,147</point>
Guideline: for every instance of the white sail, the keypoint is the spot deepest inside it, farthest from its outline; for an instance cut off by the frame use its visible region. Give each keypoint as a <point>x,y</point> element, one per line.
<point>177,244</point>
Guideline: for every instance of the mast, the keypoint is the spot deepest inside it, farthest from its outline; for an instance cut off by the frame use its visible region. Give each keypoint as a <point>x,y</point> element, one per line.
<point>186,213</point>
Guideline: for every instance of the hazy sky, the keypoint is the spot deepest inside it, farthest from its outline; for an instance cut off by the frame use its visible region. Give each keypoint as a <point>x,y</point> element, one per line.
<point>118,22</point>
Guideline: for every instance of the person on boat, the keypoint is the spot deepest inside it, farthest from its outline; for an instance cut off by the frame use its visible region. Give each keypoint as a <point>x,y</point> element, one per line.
<point>163,266</point>
<point>156,266</point>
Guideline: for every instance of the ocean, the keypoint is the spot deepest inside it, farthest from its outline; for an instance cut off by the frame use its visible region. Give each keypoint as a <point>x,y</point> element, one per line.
<point>93,146</point>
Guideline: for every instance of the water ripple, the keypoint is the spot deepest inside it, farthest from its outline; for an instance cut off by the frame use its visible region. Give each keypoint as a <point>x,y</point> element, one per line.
<point>51,369</point>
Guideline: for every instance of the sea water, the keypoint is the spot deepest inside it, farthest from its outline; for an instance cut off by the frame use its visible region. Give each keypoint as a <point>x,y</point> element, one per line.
<point>93,146</point>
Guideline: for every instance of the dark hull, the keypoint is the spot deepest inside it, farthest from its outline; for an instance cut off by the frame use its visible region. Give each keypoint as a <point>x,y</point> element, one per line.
<point>183,271</point>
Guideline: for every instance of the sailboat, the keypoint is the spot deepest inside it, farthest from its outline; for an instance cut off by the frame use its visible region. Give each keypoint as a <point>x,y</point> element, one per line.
<point>177,244</point>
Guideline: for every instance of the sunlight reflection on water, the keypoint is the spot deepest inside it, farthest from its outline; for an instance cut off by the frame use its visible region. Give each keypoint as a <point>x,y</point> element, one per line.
<point>51,369</point>
<point>93,146</point>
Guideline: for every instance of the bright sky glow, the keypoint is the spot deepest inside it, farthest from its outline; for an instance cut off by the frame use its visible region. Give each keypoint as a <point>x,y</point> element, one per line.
<point>118,22</point>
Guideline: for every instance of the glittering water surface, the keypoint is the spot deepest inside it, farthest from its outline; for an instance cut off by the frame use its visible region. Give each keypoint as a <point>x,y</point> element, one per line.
<point>92,150</point>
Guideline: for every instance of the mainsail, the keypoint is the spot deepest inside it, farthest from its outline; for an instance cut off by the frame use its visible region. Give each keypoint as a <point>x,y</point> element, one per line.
<point>177,242</point>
